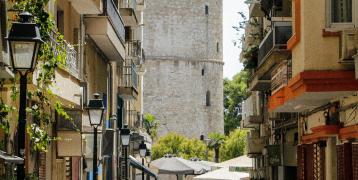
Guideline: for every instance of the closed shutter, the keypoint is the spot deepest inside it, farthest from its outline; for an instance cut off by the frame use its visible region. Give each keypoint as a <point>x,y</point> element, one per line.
<point>340,162</point>
<point>42,166</point>
<point>300,162</point>
<point>355,161</point>
<point>3,19</point>
<point>309,162</point>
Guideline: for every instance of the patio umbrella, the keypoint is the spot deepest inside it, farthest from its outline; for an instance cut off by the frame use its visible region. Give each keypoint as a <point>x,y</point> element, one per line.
<point>241,161</point>
<point>223,174</point>
<point>179,166</point>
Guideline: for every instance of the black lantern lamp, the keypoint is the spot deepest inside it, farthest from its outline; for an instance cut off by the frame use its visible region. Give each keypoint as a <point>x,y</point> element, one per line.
<point>125,135</point>
<point>148,156</point>
<point>24,42</point>
<point>142,153</point>
<point>95,110</point>
<point>142,149</point>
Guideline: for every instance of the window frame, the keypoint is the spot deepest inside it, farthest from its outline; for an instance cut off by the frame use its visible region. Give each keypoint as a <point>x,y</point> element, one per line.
<point>335,25</point>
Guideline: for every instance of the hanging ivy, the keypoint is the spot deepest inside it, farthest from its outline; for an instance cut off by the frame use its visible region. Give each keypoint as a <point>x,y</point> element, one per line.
<point>51,56</point>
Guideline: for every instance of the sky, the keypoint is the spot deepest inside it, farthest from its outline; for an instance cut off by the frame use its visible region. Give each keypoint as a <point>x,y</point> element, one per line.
<point>231,53</point>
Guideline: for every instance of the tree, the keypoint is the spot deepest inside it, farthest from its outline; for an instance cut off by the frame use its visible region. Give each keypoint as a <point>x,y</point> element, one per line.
<point>151,125</point>
<point>216,141</point>
<point>235,91</point>
<point>180,146</point>
<point>234,145</point>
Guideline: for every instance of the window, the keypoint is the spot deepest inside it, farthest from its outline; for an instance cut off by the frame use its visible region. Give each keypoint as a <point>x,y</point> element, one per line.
<point>340,13</point>
<point>217,47</point>
<point>203,72</point>
<point>206,9</point>
<point>60,21</point>
<point>208,98</point>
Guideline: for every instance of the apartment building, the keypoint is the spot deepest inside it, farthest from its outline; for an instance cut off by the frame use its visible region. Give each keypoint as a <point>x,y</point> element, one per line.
<point>302,109</point>
<point>104,54</point>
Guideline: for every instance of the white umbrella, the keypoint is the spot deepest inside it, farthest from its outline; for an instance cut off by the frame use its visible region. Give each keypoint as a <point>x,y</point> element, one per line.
<point>177,165</point>
<point>223,174</point>
<point>241,161</point>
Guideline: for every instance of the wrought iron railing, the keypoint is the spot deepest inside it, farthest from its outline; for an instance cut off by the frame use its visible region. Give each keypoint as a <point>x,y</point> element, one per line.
<point>275,39</point>
<point>115,18</point>
<point>71,53</point>
<point>280,76</point>
<point>130,76</point>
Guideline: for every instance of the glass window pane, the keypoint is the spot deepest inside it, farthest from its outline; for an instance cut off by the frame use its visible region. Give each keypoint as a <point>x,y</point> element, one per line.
<point>341,11</point>
<point>22,54</point>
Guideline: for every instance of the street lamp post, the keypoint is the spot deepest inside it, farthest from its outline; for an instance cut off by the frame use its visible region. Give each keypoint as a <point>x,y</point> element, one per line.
<point>95,110</point>
<point>148,157</point>
<point>125,139</point>
<point>24,42</point>
<point>142,153</point>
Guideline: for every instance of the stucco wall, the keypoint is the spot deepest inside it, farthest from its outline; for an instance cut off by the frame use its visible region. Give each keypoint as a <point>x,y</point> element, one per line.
<point>180,41</point>
<point>315,52</point>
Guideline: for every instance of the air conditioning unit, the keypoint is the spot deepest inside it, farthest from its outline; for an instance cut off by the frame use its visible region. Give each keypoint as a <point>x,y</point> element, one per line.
<point>349,45</point>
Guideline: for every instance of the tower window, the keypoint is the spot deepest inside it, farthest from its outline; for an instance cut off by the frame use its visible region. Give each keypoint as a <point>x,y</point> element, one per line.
<point>206,9</point>
<point>202,72</point>
<point>217,47</point>
<point>208,103</point>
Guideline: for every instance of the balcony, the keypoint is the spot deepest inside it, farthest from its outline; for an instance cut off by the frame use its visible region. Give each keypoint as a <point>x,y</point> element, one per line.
<point>311,89</point>
<point>255,9</point>
<point>129,81</point>
<point>272,48</point>
<point>251,111</point>
<point>73,124</point>
<point>87,6</point>
<point>255,144</point>
<point>280,76</point>
<point>71,54</point>
<point>128,12</point>
<point>134,51</point>
<point>110,37</point>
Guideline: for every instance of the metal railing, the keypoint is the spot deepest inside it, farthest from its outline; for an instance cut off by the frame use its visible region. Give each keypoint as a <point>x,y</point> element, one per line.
<point>275,39</point>
<point>115,18</point>
<point>280,76</point>
<point>71,53</point>
<point>134,48</point>
<point>130,76</point>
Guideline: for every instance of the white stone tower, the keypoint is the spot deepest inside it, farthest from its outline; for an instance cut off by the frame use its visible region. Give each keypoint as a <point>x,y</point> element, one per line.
<point>183,83</point>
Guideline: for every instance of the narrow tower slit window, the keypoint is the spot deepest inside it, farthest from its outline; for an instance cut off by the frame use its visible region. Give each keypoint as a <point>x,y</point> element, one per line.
<point>206,9</point>
<point>217,47</point>
<point>208,103</point>
<point>203,72</point>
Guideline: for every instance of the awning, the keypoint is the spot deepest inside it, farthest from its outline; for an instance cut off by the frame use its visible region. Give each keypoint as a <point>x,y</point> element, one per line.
<point>134,163</point>
<point>11,159</point>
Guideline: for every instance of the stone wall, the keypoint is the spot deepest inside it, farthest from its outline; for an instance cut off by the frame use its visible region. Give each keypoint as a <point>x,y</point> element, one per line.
<point>182,41</point>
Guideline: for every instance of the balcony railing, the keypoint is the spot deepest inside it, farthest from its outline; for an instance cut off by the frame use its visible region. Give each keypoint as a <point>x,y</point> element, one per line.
<point>134,48</point>
<point>255,143</point>
<point>72,124</point>
<point>115,18</point>
<point>130,76</point>
<point>71,53</point>
<point>280,76</point>
<point>275,40</point>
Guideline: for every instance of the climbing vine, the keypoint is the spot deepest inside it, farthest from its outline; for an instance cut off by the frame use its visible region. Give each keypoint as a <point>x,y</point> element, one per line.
<point>51,55</point>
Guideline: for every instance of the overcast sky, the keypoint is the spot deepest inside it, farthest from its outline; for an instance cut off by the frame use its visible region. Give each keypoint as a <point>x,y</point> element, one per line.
<point>231,53</point>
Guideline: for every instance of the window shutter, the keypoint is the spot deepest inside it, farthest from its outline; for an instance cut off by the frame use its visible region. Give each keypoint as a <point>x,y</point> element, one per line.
<point>3,19</point>
<point>355,161</point>
<point>300,162</point>
<point>42,166</point>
